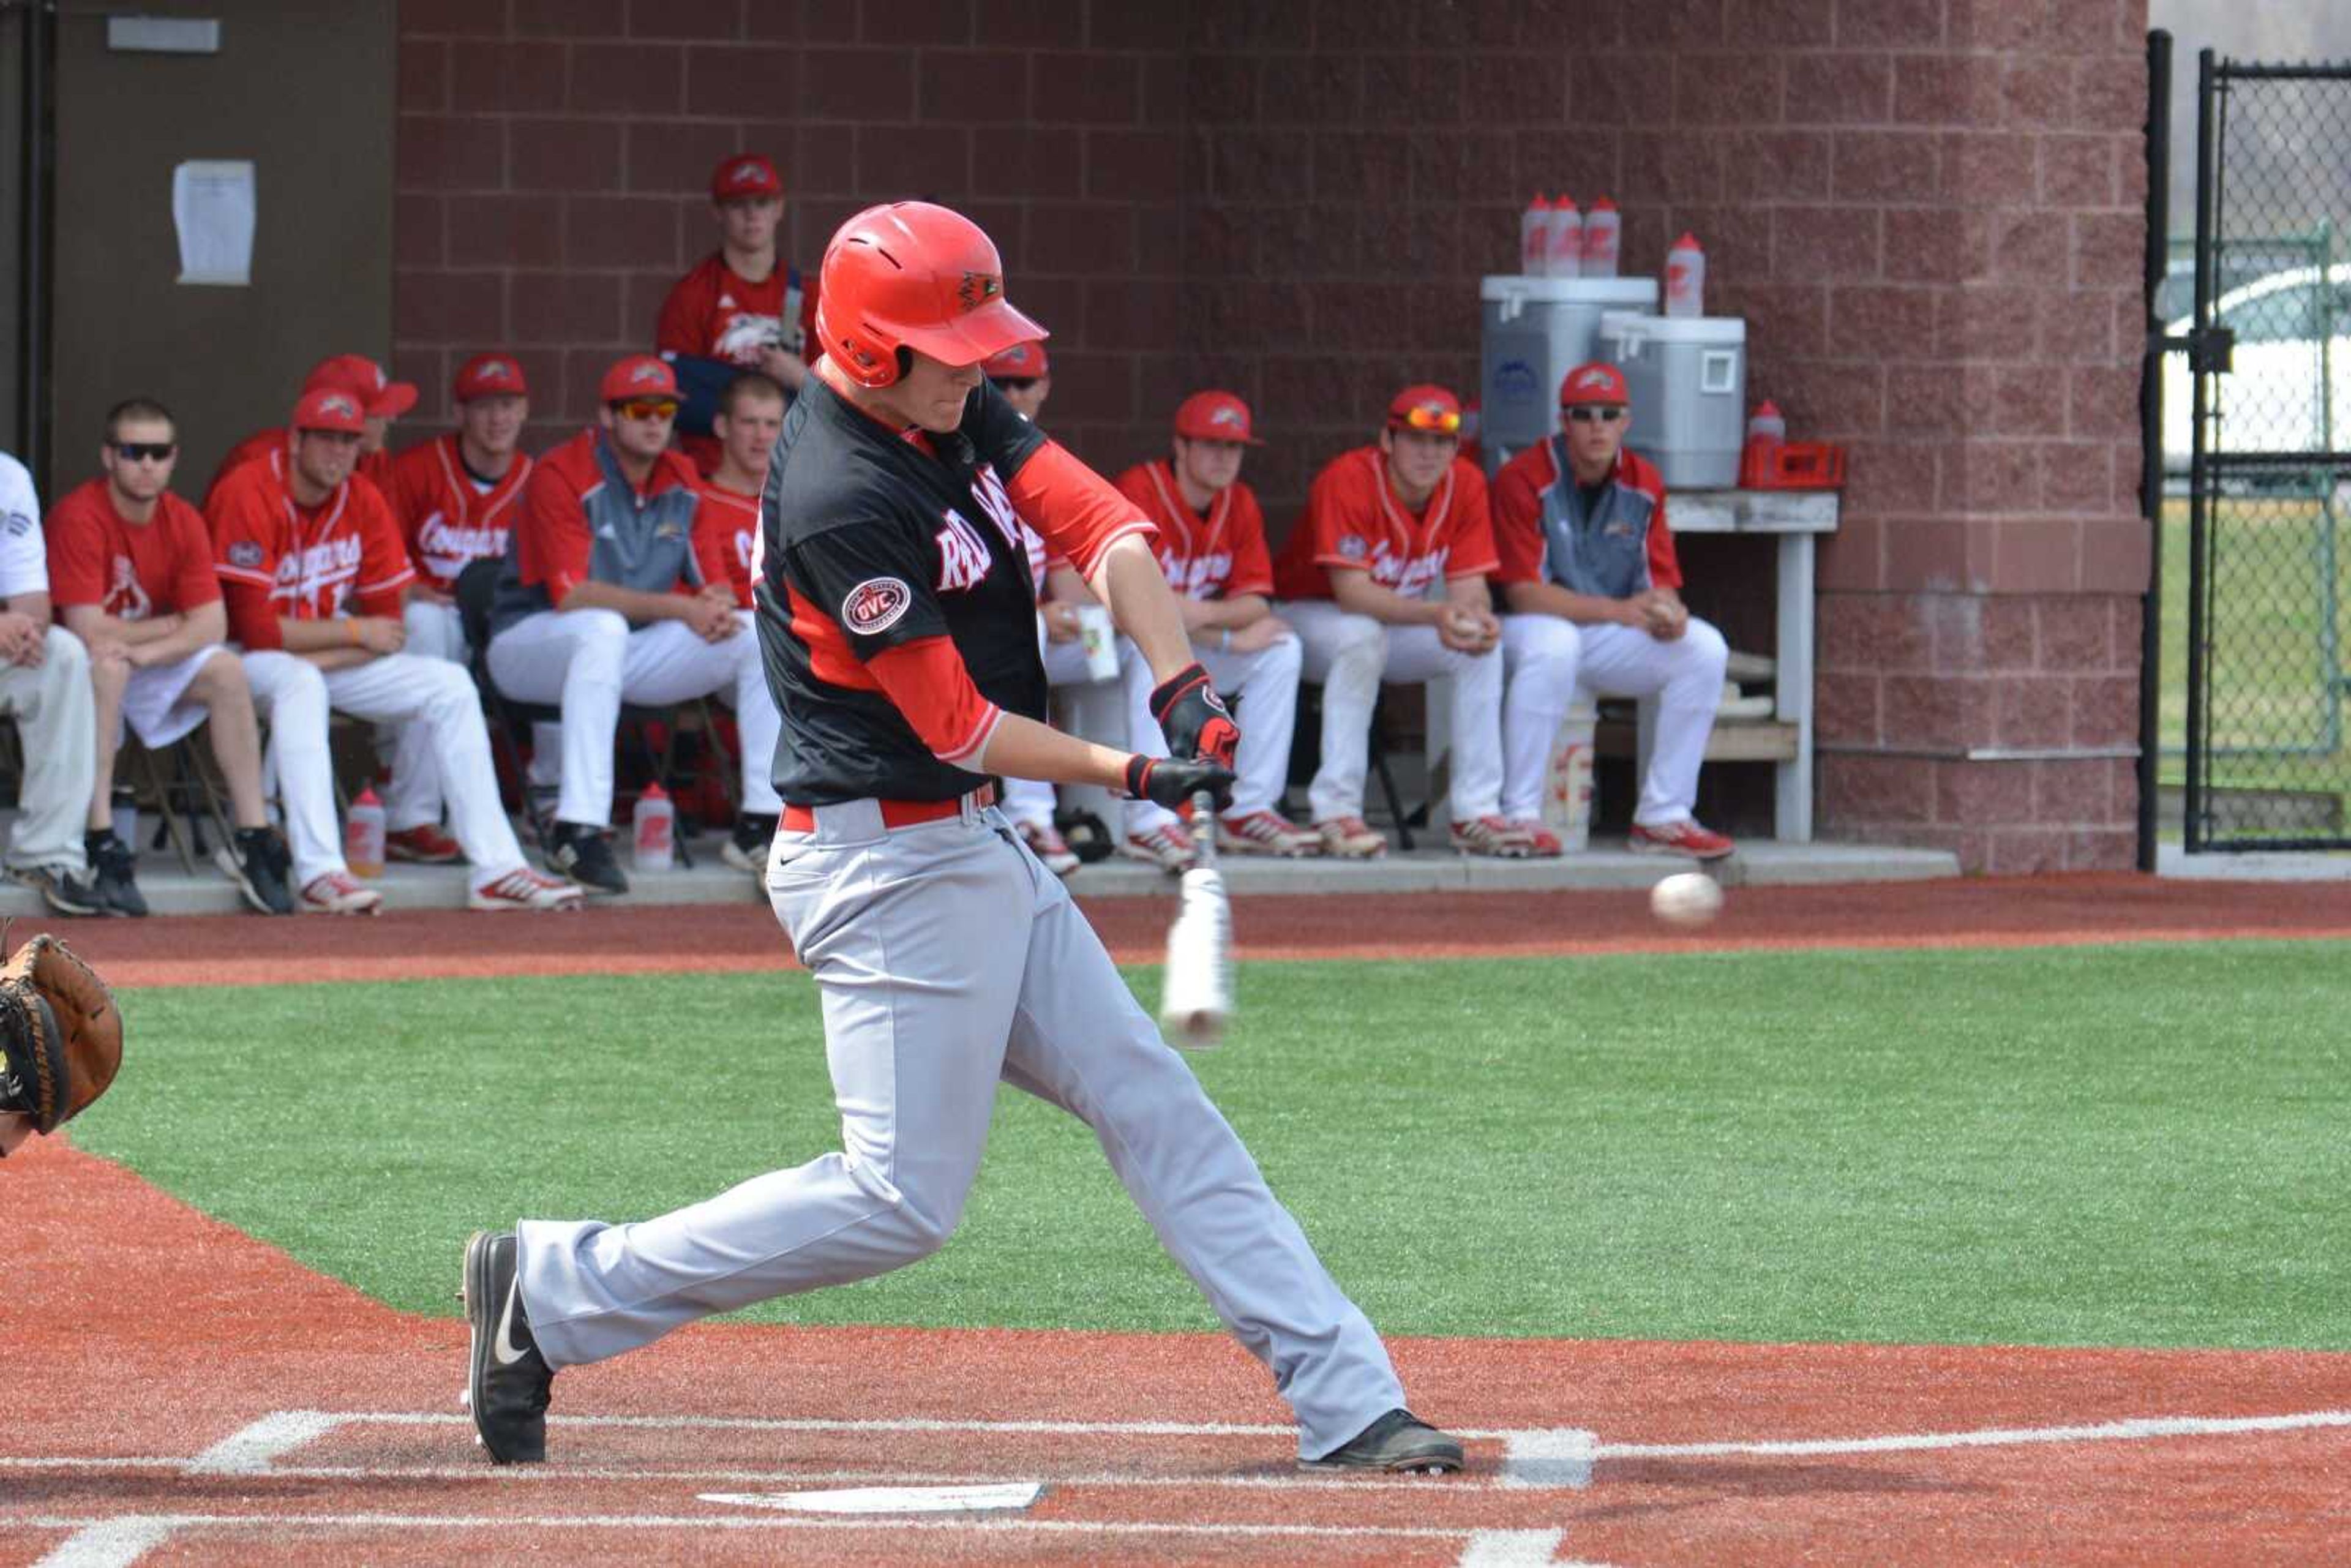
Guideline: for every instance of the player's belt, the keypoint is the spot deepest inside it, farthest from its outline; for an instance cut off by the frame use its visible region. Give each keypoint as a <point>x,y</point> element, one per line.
<point>900,813</point>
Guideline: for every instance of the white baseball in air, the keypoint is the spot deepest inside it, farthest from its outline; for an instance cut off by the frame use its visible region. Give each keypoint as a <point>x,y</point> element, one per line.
<point>1687,898</point>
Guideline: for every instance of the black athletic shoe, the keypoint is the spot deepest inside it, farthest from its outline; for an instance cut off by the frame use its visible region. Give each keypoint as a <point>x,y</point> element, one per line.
<point>585,855</point>
<point>63,891</point>
<point>116,871</point>
<point>258,863</point>
<point>506,1387</point>
<point>1398,1441</point>
<point>747,849</point>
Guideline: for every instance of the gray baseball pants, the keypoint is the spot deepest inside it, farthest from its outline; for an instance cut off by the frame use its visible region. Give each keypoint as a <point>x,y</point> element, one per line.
<point>948,959</point>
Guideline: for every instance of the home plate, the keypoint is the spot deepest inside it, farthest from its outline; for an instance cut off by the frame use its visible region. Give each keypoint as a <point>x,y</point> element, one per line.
<point>990,1499</point>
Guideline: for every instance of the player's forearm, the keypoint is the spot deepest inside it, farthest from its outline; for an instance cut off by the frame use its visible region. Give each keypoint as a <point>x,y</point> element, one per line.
<point>1358,594</point>
<point>1023,748</point>
<point>1224,614</point>
<point>319,636</point>
<point>1551,599</point>
<point>636,605</point>
<point>1127,578</point>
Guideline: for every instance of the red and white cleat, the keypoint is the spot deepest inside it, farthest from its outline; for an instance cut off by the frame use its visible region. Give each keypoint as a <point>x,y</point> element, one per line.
<point>1048,845</point>
<point>1493,836</point>
<point>523,888</point>
<point>339,893</point>
<point>1543,843</point>
<point>1266,834</point>
<point>424,844</point>
<point>1350,839</point>
<point>1165,846</point>
<point>1688,837</point>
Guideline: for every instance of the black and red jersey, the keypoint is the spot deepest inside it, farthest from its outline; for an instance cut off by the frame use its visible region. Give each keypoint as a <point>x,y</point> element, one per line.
<point>880,545</point>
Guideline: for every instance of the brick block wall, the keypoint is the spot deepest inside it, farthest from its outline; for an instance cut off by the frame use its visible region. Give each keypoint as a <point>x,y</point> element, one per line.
<point>1928,210</point>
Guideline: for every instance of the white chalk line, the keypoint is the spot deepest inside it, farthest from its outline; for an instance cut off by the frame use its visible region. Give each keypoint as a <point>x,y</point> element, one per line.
<point>177,1522</point>
<point>253,1448</point>
<point>109,1542</point>
<point>2138,1430</point>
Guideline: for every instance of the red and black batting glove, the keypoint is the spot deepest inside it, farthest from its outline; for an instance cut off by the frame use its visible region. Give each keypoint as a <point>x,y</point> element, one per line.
<point>1193,718</point>
<point>1172,784</point>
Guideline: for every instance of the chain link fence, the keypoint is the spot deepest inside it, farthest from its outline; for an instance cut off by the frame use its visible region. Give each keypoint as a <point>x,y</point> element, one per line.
<point>2264,420</point>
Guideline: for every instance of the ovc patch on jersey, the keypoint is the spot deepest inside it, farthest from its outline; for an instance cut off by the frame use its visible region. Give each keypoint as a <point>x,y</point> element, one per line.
<point>1352,548</point>
<point>875,605</point>
<point>244,553</point>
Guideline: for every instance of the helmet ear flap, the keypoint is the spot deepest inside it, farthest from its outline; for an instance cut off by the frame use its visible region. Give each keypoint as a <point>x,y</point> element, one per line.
<point>862,357</point>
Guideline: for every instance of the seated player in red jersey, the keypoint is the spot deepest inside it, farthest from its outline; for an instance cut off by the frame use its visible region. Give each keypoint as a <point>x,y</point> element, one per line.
<point>131,573</point>
<point>455,498</point>
<point>741,308</point>
<point>383,399</point>
<point>1384,577</point>
<point>312,566</point>
<point>1212,548</point>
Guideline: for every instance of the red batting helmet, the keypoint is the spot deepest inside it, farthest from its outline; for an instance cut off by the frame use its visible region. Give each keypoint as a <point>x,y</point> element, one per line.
<point>909,274</point>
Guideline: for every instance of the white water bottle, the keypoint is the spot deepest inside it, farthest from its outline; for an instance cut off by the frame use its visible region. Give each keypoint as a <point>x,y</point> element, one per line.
<point>363,835</point>
<point>1766,424</point>
<point>1565,256</point>
<point>652,829</point>
<point>1602,232</point>
<point>1534,237</point>
<point>1685,278</point>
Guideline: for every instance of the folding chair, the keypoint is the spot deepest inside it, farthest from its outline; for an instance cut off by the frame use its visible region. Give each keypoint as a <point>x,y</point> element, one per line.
<point>179,782</point>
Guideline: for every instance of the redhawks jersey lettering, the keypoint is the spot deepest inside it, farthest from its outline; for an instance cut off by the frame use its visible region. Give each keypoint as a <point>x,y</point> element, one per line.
<point>445,550</point>
<point>320,576</point>
<point>963,556</point>
<point>1197,578</point>
<point>989,491</point>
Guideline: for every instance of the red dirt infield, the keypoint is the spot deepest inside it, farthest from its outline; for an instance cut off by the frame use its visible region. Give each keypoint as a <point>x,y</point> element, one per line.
<point>181,1393</point>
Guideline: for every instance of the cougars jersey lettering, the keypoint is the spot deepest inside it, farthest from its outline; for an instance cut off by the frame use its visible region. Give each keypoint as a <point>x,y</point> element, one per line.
<point>130,571</point>
<point>446,518</point>
<point>315,562</point>
<point>1220,556</point>
<point>1353,520</point>
<point>734,518</point>
<point>871,541</point>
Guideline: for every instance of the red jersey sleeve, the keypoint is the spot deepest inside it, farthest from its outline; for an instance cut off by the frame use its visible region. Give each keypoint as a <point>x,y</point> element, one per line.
<point>714,546</point>
<point>1665,566</point>
<point>77,553</point>
<point>193,582</point>
<point>411,495</point>
<point>253,617</point>
<point>1342,516</point>
<point>551,540</point>
<point>928,684</point>
<point>680,329</point>
<point>247,534</point>
<point>1469,533</point>
<point>384,567</point>
<point>1245,531</point>
<point>1078,512</point>
<point>1515,507</point>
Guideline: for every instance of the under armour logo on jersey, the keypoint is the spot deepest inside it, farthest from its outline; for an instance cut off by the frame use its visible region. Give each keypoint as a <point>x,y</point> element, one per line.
<point>875,605</point>
<point>963,557</point>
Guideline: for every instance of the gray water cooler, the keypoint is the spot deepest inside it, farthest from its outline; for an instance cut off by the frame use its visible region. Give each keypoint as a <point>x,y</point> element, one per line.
<point>1687,378</point>
<point>1536,330</point>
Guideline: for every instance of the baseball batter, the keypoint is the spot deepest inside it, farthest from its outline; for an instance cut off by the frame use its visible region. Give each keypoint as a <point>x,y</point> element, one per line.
<point>897,620</point>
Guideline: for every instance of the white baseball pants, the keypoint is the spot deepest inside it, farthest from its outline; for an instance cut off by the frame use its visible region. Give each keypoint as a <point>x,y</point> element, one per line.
<point>912,937</point>
<point>296,695</point>
<point>57,724</point>
<point>1351,655</point>
<point>1031,800</point>
<point>1266,684</point>
<point>412,798</point>
<point>1551,657</point>
<point>590,661</point>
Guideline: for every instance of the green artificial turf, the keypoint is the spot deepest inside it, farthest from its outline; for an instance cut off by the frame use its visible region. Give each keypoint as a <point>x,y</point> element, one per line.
<point>2136,1145</point>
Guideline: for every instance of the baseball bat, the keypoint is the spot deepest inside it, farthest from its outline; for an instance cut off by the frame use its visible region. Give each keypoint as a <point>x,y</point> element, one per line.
<point>1197,998</point>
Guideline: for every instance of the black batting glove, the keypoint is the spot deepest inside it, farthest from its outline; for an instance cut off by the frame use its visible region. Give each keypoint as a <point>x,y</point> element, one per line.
<point>1193,718</point>
<point>1172,784</point>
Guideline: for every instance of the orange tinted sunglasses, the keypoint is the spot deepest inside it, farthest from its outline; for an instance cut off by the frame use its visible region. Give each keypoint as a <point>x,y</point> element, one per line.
<point>646,408</point>
<point>1428,416</point>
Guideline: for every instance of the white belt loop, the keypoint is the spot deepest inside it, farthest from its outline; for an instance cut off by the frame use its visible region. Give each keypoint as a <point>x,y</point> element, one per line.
<point>968,802</point>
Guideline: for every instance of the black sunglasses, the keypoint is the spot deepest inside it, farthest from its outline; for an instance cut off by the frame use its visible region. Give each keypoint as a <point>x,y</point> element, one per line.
<point>1587,413</point>
<point>133,451</point>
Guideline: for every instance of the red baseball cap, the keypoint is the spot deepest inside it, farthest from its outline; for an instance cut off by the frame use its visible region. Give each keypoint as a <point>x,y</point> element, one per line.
<point>330,408</point>
<point>1426,407</point>
<point>744,175</point>
<point>639,375</point>
<point>1215,416</point>
<point>378,394</point>
<point>1022,361</point>
<point>489,375</point>
<point>1594,381</point>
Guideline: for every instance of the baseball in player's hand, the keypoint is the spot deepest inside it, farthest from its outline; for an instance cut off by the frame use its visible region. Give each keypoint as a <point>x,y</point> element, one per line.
<point>1467,631</point>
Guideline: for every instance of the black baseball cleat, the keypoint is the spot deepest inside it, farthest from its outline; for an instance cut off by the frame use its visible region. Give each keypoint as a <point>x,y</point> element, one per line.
<point>1398,1441</point>
<point>747,847</point>
<point>585,855</point>
<point>506,1388</point>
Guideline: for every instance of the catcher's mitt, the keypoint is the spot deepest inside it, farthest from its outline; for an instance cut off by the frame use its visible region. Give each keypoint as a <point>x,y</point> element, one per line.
<point>60,1034</point>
